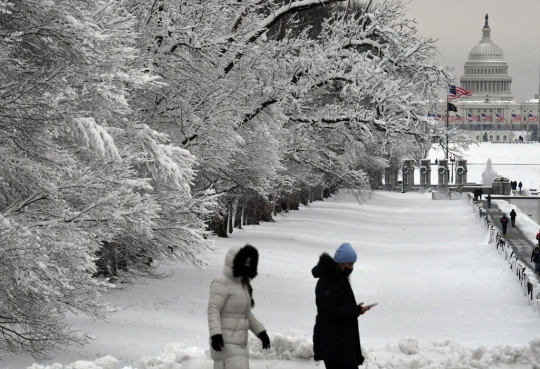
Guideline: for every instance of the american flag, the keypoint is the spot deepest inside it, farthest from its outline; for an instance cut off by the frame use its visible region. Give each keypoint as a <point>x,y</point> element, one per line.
<point>516,117</point>
<point>459,119</point>
<point>472,118</point>
<point>451,119</point>
<point>437,117</point>
<point>455,92</point>
<point>486,118</point>
<point>533,118</point>
<point>499,118</point>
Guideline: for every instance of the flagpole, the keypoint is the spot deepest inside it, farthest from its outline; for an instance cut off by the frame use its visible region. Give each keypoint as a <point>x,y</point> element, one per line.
<point>511,129</point>
<point>447,101</point>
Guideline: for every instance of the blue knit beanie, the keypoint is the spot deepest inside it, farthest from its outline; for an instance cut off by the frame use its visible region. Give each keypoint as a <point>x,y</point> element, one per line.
<point>345,254</point>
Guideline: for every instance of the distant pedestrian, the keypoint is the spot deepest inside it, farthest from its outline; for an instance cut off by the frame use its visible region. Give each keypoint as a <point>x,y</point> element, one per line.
<point>475,194</point>
<point>480,193</point>
<point>535,256</point>
<point>513,218</point>
<point>538,237</point>
<point>520,185</point>
<point>488,200</point>
<point>504,223</point>
<point>514,185</point>
<point>436,162</point>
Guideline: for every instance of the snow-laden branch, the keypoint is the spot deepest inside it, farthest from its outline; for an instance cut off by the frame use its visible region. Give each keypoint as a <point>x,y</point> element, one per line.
<point>278,14</point>
<point>95,136</point>
<point>19,205</point>
<point>264,25</point>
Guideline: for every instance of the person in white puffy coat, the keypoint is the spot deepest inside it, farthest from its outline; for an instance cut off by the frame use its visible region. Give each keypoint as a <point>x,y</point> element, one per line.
<point>229,310</point>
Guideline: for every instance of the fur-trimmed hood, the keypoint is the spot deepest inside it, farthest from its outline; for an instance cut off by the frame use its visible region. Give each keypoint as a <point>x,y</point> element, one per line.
<point>325,267</point>
<point>235,259</point>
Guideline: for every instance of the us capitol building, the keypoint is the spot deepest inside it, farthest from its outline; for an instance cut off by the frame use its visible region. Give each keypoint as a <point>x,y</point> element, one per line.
<point>491,114</point>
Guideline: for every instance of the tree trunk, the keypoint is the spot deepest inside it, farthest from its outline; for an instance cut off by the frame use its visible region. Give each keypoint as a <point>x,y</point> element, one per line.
<point>234,211</point>
<point>242,219</point>
<point>219,225</point>
<point>111,256</point>
<point>229,220</point>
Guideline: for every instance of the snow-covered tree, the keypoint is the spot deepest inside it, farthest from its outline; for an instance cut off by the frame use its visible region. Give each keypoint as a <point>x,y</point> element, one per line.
<point>80,177</point>
<point>366,79</point>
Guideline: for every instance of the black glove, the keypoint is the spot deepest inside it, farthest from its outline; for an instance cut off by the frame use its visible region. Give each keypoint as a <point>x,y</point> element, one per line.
<point>217,342</point>
<point>263,336</point>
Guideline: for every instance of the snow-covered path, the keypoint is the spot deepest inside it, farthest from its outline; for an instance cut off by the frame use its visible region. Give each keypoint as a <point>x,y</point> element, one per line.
<point>425,262</point>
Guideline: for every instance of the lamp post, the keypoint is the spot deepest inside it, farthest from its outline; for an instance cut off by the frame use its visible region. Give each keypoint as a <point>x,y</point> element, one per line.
<point>404,171</point>
<point>452,160</point>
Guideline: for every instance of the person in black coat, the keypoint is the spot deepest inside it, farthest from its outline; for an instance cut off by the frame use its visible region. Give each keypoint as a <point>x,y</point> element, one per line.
<point>488,200</point>
<point>513,218</point>
<point>504,223</point>
<point>336,338</point>
<point>535,256</point>
<point>520,185</point>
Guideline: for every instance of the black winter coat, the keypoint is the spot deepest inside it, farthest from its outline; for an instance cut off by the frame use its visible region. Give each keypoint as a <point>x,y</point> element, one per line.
<point>535,256</point>
<point>335,336</point>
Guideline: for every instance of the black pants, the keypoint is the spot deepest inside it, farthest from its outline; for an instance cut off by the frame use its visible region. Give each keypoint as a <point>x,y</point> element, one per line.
<point>513,222</point>
<point>332,365</point>
<point>504,228</point>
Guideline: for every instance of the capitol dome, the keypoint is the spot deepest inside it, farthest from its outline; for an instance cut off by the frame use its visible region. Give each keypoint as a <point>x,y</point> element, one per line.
<point>486,51</point>
<point>486,71</point>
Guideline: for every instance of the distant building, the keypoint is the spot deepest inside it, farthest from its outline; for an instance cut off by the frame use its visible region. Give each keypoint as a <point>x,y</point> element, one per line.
<point>491,114</point>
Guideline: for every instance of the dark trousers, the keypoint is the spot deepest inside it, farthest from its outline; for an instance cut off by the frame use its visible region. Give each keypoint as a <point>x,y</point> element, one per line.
<point>504,228</point>
<point>333,365</point>
<point>513,222</point>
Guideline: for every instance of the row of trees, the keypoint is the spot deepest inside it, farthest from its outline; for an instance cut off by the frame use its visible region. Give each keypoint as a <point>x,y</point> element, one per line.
<point>129,129</point>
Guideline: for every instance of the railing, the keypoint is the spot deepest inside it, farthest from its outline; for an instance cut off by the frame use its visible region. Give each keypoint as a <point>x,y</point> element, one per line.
<point>530,285</point>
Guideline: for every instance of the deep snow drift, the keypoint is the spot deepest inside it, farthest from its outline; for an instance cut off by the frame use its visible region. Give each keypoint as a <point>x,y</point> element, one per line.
<point>425,262</point>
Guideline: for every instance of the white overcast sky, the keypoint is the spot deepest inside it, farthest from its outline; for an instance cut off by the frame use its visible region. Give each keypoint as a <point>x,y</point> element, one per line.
<point>457,25</point>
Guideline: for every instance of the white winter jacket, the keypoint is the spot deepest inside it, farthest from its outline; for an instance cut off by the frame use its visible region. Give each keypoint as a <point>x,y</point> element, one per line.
<point>229,314</point>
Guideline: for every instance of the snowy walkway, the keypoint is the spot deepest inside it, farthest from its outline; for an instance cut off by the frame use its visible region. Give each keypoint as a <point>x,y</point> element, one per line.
<point>425,262</point>
<point>520,241</point>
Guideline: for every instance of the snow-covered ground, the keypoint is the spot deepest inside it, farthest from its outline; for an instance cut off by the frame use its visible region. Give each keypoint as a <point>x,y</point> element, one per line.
<point>446,298</point>
<point>508,160</point>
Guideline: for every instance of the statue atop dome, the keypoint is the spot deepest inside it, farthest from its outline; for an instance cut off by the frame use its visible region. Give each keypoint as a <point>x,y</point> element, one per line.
<point>486,25</point>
